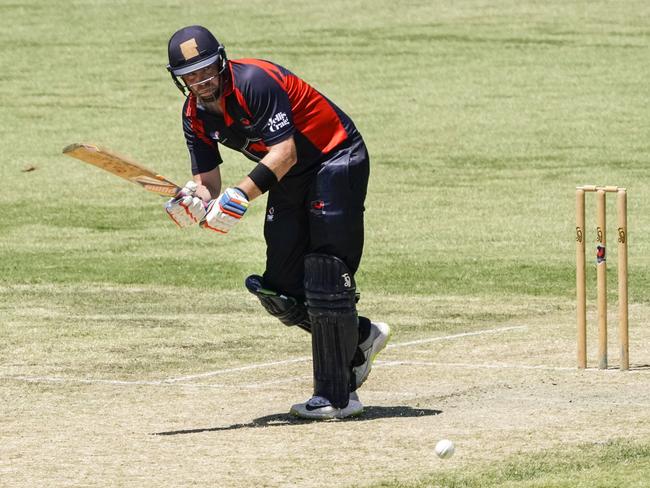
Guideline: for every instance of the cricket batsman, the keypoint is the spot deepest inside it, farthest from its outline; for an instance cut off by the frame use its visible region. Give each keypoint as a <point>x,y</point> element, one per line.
<point>313,163</point>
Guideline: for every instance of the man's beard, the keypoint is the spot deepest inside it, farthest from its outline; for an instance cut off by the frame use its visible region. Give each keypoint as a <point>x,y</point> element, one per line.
<point>213,97</point>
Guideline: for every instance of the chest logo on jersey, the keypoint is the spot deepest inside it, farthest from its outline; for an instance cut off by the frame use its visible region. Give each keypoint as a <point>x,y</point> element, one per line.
<point>218,136</point>
<point>278,121</point>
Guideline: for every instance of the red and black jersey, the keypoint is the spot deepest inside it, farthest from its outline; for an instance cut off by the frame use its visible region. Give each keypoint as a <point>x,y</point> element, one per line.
<point>264,104</point>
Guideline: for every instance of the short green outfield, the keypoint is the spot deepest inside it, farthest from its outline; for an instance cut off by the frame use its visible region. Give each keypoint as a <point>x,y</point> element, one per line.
<point>609,465</point>
<point>481,118</point>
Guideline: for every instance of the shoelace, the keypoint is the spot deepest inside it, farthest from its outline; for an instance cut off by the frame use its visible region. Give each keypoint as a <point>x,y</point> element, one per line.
<point>319,401</point>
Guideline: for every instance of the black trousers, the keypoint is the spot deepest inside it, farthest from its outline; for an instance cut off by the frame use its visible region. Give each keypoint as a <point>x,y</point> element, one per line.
<point>318,211</point>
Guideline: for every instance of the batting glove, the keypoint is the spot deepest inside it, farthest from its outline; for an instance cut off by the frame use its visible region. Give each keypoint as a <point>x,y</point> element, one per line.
<point>185,208</point>
<point>224,212</point>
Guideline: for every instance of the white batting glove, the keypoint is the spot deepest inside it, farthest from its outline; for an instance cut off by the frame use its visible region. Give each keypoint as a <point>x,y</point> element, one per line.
<point>224,212</point>
<point>185,208</point>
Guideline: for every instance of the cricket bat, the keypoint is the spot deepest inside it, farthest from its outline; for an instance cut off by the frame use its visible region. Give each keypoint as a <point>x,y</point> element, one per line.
<point>123,167</point>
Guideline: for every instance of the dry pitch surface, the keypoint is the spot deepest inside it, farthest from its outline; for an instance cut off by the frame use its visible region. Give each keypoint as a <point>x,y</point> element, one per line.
<point>494,390</point>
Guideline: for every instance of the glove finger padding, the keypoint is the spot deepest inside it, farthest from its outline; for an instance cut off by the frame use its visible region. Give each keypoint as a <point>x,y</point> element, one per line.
<point>224,212</point>
<point>194,207</point>
<point>190,188</point>
<point>185,210</point>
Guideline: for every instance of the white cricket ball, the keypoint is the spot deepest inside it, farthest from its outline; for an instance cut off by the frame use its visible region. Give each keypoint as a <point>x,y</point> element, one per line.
<point>445,449</point>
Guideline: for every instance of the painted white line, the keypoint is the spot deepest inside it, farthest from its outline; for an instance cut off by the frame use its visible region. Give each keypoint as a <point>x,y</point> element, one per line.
<point>306,358</point>
<point>237,370</point>
<point>268,384</point>
<point>56,379</point>
<point>472,366</point>
<point>587,402</point>
<point>95,317</point>
<point>456,336</point>
<point>88,381</point>
<point>179,380</point>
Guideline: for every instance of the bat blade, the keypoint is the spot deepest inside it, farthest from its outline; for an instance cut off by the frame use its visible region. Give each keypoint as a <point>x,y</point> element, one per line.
<point>123,167</point>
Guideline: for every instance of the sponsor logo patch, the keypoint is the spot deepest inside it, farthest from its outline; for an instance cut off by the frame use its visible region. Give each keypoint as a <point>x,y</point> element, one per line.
<point>189,49</point>
<point>270,214</point>
<point>278,121</point>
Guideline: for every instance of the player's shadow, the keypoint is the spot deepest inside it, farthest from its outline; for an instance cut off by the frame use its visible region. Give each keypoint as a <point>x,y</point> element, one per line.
<point>285,419</point>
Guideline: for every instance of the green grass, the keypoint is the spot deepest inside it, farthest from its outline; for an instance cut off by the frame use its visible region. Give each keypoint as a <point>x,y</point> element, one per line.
<point>610,465</point>
<point>481,118</point>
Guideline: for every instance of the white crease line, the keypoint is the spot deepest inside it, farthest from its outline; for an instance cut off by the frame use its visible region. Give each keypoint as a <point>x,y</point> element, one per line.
<point>54,379</point>
<point>306,358</point>
<point>249,367</point>
<point>473,366</point>
<point>588,402</point>
<point>267,384</point>
<point>456,336</point>
<point>237,370</point>
<point>50,314</point>
<point>612,370</point>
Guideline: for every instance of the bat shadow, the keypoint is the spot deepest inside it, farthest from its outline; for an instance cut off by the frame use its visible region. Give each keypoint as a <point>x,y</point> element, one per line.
<point>286,419</point>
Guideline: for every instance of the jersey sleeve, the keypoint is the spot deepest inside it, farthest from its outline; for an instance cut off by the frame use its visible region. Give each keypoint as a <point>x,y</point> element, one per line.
<point>269,105</point>
<point>204,157</point>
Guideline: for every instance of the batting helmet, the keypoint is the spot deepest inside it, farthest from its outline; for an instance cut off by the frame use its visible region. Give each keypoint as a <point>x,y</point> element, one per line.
<point>192,48</point>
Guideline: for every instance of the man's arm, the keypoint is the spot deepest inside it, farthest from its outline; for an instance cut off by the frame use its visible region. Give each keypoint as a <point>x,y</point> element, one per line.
<point>280,158</point>
<point>209,184</point>
<point>225,211</point>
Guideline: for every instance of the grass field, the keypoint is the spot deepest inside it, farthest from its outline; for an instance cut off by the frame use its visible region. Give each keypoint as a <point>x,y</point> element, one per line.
<point>130,353</point>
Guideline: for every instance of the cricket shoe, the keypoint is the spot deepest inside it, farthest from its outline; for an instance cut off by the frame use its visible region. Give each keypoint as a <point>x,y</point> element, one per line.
<point>373,345</point>
<point>319,408</point>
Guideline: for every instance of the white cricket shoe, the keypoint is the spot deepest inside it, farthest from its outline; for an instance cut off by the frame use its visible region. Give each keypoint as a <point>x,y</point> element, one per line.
<point>319,408</point>
<point>373,345</point>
